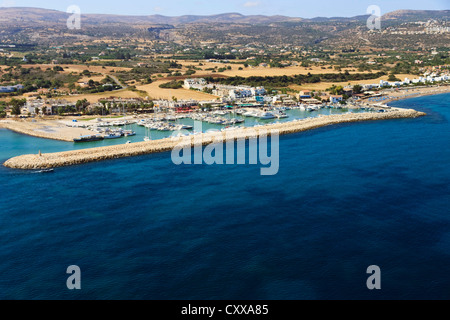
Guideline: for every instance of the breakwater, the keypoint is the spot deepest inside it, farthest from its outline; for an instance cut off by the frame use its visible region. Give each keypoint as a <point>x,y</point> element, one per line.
<point>68,158</point>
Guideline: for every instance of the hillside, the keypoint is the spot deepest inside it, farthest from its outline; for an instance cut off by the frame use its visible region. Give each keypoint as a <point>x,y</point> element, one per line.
<point>40,26</point>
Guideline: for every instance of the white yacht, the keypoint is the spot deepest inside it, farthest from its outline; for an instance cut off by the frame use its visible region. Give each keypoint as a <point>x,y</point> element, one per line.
<point>267,116</point>
<point>129,133</point>
<point>185,127</point>
<point>249,114</point>
<point>112,136</point>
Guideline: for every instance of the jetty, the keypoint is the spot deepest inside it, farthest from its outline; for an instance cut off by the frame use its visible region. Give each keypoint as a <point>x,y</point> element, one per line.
<point>76,157</point>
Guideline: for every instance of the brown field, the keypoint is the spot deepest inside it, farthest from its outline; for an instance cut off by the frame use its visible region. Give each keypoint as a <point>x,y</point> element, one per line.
<point>95,78</point>
<point>259,71</point>
<point>68,68</point>
<point>155,92</point>
<point>94,97</point>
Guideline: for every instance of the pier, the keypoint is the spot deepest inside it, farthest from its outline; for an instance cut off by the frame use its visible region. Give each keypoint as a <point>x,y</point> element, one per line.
<point>68,158</point>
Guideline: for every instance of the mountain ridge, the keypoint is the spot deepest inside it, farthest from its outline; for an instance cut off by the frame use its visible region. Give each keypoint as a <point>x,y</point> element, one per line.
<point>49,15</point>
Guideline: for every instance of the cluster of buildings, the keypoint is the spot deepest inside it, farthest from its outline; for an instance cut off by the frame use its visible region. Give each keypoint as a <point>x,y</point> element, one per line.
<point>225,91</point>
<point>9,89</point>
<point>307,96</point>
<point>47,107</point>
<point>432,78</point>
<point>429,27</point>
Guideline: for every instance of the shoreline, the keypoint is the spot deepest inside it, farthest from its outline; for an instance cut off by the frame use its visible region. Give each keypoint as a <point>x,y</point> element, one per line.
<point>412,93</point>
<point>57,129</point>
<point>47,129</point>
<point>75,157</point>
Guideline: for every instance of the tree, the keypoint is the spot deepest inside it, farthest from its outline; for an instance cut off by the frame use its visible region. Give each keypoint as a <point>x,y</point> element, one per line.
<point>336,89</point>
<point>37,110</point>
<point>357,89</point>
<point>44,110</point>
<point>392,77</point>
<point>17,104</point>
<point>81,105</point>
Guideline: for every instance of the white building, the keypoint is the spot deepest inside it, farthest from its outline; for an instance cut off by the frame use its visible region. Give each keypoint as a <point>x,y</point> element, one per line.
<point>198,83</point>
<point>240,93</point>
<point>9,89</point>
<point>258,91</point>
<point>336,98</point>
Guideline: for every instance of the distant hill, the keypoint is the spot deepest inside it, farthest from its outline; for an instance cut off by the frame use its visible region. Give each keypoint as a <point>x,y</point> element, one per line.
<point>416,15</point>
<point>34,15</point>
<point>43,26</point>
<point>46,16</point>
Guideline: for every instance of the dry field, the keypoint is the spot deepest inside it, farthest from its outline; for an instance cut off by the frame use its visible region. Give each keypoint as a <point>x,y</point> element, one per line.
<point>258,71</point>
<point>95,78</point>
<point>94,97</point>
<point>68,68</point>
<point>155,92</point>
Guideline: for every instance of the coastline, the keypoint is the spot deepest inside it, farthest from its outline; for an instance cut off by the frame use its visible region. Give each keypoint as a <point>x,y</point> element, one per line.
<point>46,129</point>
<point>69,158</point>
<point>58,129</point>
<point>416,93</point>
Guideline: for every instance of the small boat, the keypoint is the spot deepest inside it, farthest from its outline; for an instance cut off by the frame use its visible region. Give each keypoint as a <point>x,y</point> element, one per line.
<point>280,115</point>
<point>249,114</point>
<point>88,138</point>
<point>129,133</point>
<point>46,171</point>
<point>267,116</point>
<point>112,136</point>
<point>236,120</point>
<point>171,118</point>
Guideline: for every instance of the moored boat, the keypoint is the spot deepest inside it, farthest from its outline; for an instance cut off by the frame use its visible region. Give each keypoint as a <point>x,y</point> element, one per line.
<point>112,136</point>
<point>267,116</point>
<point>88,138</point>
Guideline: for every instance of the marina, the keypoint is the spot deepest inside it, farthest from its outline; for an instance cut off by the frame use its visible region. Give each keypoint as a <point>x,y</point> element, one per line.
<point>93,154</point>
<point>164,125</point>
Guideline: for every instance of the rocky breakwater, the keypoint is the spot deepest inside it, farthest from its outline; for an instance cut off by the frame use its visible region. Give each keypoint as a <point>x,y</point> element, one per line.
<point>52,160</point>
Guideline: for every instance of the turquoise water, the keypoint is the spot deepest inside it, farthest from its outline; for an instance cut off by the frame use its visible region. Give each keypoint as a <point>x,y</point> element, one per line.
<point>142,132</point>
<point>346,197</point>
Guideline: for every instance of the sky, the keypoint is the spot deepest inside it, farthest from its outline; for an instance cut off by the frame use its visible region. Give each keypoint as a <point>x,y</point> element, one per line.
<point>294,8</point>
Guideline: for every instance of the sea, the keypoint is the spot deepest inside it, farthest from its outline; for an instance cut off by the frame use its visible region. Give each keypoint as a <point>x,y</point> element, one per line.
<point>346,197</point>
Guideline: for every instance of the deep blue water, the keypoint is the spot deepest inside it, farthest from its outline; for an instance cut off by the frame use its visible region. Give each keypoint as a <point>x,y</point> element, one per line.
<point>346,197</point>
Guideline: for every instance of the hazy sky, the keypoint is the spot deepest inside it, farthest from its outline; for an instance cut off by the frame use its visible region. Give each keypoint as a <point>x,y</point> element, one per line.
<point>297,8</point>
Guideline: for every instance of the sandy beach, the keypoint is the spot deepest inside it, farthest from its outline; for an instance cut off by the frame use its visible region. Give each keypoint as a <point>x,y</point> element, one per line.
<point>414,93</point>
<point>52,160</point>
